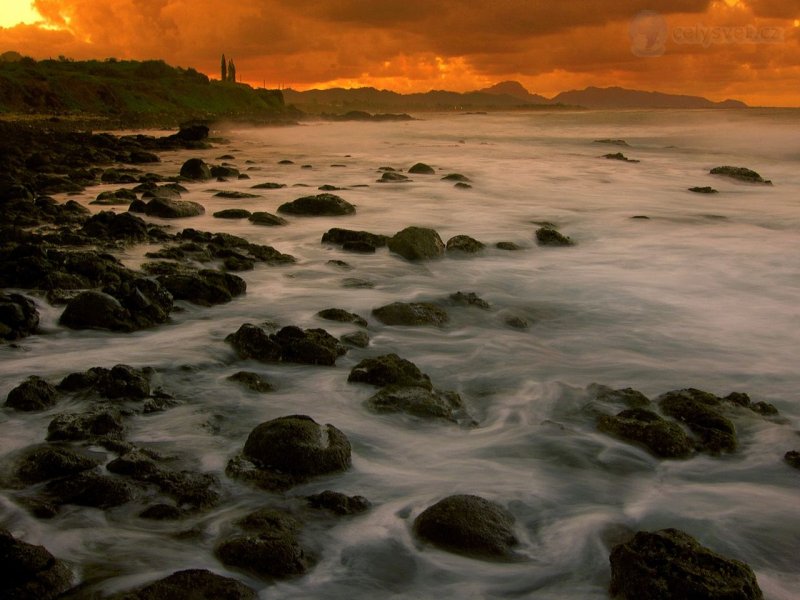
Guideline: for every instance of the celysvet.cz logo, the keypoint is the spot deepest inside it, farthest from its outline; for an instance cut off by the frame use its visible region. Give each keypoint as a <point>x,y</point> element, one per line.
<point>649,34</point>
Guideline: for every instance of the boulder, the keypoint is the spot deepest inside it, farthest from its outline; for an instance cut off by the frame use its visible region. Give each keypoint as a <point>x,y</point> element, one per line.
<point>32,394</point>
<point>509,246</point>
<point>233,213</point>
<point>321,205</point>
<point>269,185</point>
<point>44,462</point>
<point>456,177</point>
<point>703,190</point>
<point>389,369</point>
<point>393,177</point>
<point>108,225</point>
<point>627,396</point>
<point>197,169</point>
<point>309,346</point>
<point>663,438</point>
<point>422,169</point>
<point>90,489</point>
<point>468,525</point>
<point>671,564</point>
<point>469,299</point>
<point>268,219</point>
<point>417,243</point>
<point>357,339</point>
<point>418,402</point>
<point>620,156</point>
<point>29,572</point>
<point>206,287</point>
<point>252,381</point>
<point>142,303</point>
<point>547,236</point>
<point>121,196</point>
<point>343,236</point>
<point>251,341</point>
<point>85,426</point>
<point>18,316</point>
<point>191,584</point>
<point>701,412</point>
<point>142,157</point>
<point>411,314</point>
<point>166,208</point>
<point>342,316</point>
<point>465,244</point>
<point>740,173</point>
<point>161,512</point>
<point>224,171</point>
<point>339,503</point>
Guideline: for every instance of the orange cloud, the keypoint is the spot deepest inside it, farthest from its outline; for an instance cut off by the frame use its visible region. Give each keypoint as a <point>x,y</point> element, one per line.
<point>416,45</point>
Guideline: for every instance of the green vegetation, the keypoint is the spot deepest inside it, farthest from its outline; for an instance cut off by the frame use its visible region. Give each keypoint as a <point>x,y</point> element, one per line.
<point>129,93</point>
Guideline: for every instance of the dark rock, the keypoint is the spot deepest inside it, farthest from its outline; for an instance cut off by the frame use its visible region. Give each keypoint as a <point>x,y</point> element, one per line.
<point>701,412</point>
<point>627,396</point>
<point>29,572</point>
<point>85,426</point>
<point>342,316</point>
<point>142,157</point>
<point>285,161</point>
<point>233,213</point>
<point>393,177</point>
<point>663,438</point>
<point>195,168</point>
<point>343,236</point>
<point>764,408</point>
<point>252,381</point>
<point>517,322</point>
<point>740,173</point>
<point>469,299</point>
<point>18,316</point>
<point>465,244</point>
<point>411,314</point>
<point>122,381</point>
<point>456,177</point>
<point>358,339</point>
<point>360,247</point>
<point>137,206</point>
<point>206,287</point>
<point>110,225</point>
<point>41,463</point>
<point>322,205</point>
<point>265,218</point>
<point>90,489</point>
<point>672,564</point>
<point>166,208</point>
<point>546,236</point>
<point>110,198</point>
<point>329,188</point>
<point>468,525</point>
<point>32,394</point>
<point>192,584</point>
<point>309,346</point>
<point>510,246</point>
<point>462,186</point>
<point>339,503</point>
<point>236,195</point>
<point>190,133</point>
<point>224,171</point>
<point>148,304</point>
<point>703,190</point>
<point>620,156</point>
<point>792,458</point>
<point>417,243</point>
<point>418,402</point>
<point>268,186</point>
<point>389,369</point>
<point>422,169</point>
<point>161,512</point>
<point>251,341</point>
<point>613,142</point>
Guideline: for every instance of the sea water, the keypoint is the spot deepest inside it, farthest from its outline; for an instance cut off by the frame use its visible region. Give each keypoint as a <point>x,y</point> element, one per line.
<point>703,293</point>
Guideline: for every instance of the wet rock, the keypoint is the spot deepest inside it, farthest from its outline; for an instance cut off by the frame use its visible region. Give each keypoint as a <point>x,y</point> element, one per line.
<point>344,236</point>
<point>269,549</point>
<point>703,190</point>
<point>224,172</point>
<point>613,142</point>
<point>166,208</point>
<point>42,463</point>
<point>32,394</point>
<point>663,438</point>
<point>233,213</point>
<point>422,169</point>
<point>309,346</point>
<point>619,156</point>
<point>792,458</point>
<point>389,369</point>
<point>18,316</point>
<point>465,244</point>
<point>342,316</point>
<point>191,584</point>
<point>285,161</point>
<point>197,169</point>
<point>29,572</point>
<point>740,173</point>
<point>516,322</point>
<point>251,341</point>
<point>267,219</point>
<point>627,396</point>
<point>143,303</point>
<point>468,525</point>
<point>418,402</point>
<point>235,195</point>
<point>268,186</point>
<point>411,314</point>
<point>113,226</point>
<point>286,451</point>
<point>90,489</point>
<point>252,381</point>
<point>701,412</point>
<point>142,157</point>
<point>469,299</point>
<point>161,512</point>
<point>321,205</point>
<point>358,339</point>
<point>121,197</point>
<point>462,186</point>
<point>339,503</point>
<point>417,243</point>
<point>85,426</point>
<point>206,287</point>
<point>510,246</point>
<point>456,177</point>
<point>393,177</point>
<point>546,236</point>
<point>672,564</point>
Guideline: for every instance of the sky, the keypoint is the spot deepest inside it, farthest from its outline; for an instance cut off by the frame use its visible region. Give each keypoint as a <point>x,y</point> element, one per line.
<point>743,49</point>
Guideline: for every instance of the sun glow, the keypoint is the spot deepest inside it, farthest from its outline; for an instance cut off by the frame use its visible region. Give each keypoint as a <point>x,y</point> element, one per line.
<point>16,12</point>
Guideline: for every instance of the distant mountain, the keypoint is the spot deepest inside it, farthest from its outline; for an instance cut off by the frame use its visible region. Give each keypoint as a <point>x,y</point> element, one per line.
<point>516,90</point>
<point>617,97</point>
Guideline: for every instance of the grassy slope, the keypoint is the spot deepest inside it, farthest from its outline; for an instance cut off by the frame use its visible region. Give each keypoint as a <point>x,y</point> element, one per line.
<point>129,92</point>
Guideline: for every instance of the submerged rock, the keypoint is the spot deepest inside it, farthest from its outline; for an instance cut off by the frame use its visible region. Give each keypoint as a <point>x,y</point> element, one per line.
<point>85,426</point>
<point>620,156</point>
<point>389,369</point>
<point>321,205</point>
<point>252,381</point>
<point>393,177</point>
<point>121,381</point>
<point>309,346</point>
<point>701,412</point>
<point>509,246</point>
<point>703,190</point>
<point>468,525</point>
<point>358,339</point>
<point>342,316</point>
<point>233,213</point>
<point>671,564</point>
<point>465,244</point>
<point>269,185</point>
<point>411,314</point>
<point>232,195</point>
<point>18,316</point>
<point>32,394</point>
<point>418,402</point>
<point>44,462</point>
<point>457,177</point>
<point>547,236</point>
<point>267,219</point>
<point>339,503</point>
<point>206,287</point>
<point>792,458</point>
<point>29,572</point>
<point>251,341</point>
<point>90,489</point>
<point>417,243</point>
<point>740,173</point>
<point>166,208</point>
<point>344,236</point>
<point>469,299</point>
<point>663,438</point>
<point>191,584</point>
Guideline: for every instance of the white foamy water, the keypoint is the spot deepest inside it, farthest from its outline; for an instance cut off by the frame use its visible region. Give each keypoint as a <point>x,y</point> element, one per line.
<point>704,293</point>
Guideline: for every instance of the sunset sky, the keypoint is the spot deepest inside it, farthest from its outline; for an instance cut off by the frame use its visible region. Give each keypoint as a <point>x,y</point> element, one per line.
<point>744,49</point>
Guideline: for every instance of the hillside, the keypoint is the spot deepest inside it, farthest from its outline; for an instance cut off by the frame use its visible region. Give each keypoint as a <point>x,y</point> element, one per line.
<point>617,97</point>
<point>129,93</point>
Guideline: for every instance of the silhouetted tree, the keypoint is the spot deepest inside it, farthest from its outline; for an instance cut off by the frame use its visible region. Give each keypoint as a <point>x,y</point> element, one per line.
<point>231,71</point>
<point>224,69</point>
